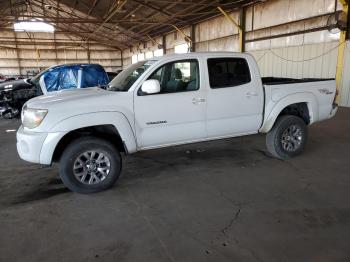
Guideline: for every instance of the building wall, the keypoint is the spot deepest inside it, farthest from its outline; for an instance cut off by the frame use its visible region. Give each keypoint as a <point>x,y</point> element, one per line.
<point>304,61</point>
<point>304,55</point>
<point>217,34</point>
<point>300,55</point>
<point>149,46</point>
<point>27,56</point>
<point>345,93</point>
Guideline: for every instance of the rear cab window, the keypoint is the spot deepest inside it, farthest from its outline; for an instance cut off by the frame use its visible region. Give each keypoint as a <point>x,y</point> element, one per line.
<point>228,72</point>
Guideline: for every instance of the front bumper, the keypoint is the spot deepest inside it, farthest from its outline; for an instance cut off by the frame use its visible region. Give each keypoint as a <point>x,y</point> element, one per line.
<point>29,145</point>
<point>37,147</point>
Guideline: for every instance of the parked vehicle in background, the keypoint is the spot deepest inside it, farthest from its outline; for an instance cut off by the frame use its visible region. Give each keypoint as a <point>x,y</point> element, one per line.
<point>178,99</point>
<point>112,75</point>
<point>2,78</point>
<point>14,94</point>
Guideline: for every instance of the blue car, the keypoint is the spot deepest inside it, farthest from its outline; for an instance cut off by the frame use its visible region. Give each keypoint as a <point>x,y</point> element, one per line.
<point>14,94</point>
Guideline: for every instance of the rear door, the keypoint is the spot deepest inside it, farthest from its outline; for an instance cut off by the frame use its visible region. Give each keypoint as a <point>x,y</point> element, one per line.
<point>234,99</point>
<point>175,115</point>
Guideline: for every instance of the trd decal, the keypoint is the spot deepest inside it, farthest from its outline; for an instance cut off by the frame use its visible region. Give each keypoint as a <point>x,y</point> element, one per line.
<point>156,122</point>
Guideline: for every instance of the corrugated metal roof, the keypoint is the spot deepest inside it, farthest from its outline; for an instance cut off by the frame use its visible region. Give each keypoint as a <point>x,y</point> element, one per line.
<point>117,23</point>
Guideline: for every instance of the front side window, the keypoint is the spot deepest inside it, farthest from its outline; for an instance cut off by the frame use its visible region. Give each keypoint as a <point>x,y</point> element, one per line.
<point>228,72</point>
<point>178,76</point>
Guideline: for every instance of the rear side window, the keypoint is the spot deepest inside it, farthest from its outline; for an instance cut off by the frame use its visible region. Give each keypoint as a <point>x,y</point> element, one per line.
<point>228,72</point>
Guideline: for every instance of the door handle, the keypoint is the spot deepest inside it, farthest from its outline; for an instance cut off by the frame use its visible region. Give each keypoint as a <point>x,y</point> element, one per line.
<point>198,100</point>
<point>250,94</point>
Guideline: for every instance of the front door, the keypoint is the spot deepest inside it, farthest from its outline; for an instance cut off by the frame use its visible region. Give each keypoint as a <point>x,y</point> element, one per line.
<point>175,115</point>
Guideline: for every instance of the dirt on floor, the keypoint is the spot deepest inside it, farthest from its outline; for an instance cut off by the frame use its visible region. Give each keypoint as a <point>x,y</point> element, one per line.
<point>224,200</point>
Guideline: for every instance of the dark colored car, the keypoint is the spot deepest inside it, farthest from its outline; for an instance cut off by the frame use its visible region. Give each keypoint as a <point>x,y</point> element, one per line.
<point>112,75</point>
<point>13,94</point>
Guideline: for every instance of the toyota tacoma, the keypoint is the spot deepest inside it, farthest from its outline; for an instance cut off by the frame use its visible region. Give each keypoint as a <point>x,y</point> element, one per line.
<point>172,100</point>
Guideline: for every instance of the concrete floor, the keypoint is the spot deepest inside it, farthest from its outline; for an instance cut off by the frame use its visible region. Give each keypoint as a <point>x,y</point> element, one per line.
<point>218,201</point>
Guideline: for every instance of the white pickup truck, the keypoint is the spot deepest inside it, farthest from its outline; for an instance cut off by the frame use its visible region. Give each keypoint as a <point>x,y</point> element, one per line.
<point>176,99</point>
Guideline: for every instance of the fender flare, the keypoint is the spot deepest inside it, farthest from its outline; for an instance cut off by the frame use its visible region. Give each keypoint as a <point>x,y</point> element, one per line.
<point>65,126</point>
<point>305,97</point>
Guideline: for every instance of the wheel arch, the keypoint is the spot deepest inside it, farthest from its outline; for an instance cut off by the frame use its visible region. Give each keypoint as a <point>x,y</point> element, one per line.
<point>98,131</point>
<point>303,105</point>
<point>111,125</point>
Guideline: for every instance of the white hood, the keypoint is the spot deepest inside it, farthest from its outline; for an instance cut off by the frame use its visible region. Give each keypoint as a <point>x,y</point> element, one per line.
<point>68,103</point>
<point>70,97</point>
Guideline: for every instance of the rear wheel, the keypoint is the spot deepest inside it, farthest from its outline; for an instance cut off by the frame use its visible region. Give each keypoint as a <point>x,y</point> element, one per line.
<point>90,165</point>
<point>288,137</point>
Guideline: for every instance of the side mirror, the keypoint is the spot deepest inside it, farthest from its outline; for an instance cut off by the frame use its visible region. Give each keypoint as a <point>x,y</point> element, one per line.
<point>151,86</point>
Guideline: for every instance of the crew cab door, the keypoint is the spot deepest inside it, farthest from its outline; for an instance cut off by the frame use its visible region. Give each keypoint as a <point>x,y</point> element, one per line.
<point>176,114</point>
<point>234,98</point>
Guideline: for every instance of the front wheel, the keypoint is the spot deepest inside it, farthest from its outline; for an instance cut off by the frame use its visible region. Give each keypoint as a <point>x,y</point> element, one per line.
<point>89,165</point>
<point>288,137</point>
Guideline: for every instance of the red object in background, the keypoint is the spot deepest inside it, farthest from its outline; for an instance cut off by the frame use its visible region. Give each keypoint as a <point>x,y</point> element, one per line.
<point>7,78</point>
<point>2,78</point>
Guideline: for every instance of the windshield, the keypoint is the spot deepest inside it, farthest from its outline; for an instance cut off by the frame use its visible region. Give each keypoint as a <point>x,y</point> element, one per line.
<point>35,79</point>
<point>128,77</point>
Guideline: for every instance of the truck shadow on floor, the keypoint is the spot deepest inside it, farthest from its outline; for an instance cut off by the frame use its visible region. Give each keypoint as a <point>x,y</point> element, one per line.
<point>217,157</point>
<point>46,189</point>
<point>228,155</point>
<point>40,194</point>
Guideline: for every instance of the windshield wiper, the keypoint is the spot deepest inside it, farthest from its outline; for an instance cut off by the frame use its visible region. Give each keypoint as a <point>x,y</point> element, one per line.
<point>113,88</point>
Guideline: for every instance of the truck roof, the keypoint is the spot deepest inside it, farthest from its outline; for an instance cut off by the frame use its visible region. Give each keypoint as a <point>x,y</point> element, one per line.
<point>218,53</point>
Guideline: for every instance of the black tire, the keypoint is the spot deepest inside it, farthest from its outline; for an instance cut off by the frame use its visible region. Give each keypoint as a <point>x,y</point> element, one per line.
<point>75,150</point>
<point>276,135</point>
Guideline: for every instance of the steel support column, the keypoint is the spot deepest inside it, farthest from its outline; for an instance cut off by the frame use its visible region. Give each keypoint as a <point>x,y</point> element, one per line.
<point>164,44</point>
<point>186,37</point>
<point>55,46</point>
<point>88,52</point>
<point>121,59</point>
<point>17,54</point>
<point>241,26</point>
<point>193,37</point>
<point>242,15</point>
<point>341,54</point>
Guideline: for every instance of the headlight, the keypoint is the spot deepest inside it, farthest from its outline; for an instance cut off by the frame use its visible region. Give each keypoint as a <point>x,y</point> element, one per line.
<point>31,118</point>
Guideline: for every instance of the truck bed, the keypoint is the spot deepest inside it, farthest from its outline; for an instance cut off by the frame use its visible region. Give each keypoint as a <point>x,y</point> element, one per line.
<point>283,80</point>
<point>317,94</point>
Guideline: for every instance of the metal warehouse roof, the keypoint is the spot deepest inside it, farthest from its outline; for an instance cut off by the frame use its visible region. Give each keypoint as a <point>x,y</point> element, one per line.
<point>115,23</point>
